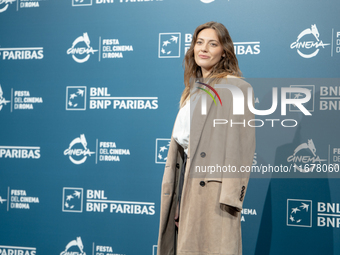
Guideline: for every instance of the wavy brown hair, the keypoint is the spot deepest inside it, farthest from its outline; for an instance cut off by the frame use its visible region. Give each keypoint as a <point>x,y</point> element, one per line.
<point>227,65</point>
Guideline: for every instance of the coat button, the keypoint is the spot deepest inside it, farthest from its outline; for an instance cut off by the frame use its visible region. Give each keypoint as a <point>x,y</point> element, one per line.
<point>202,183</point>
<point>202,154</point>
<point>177,165</point>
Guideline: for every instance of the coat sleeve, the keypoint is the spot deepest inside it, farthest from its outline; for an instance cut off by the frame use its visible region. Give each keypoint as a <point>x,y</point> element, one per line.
<point>169,198</point>
<point>240,148</point>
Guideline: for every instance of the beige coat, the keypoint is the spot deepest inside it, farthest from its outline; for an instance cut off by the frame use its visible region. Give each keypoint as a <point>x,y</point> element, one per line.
<point>209,220</point>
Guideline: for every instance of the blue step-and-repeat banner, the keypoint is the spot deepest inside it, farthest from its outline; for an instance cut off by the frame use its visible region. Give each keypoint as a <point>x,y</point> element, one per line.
<point>89,92</point>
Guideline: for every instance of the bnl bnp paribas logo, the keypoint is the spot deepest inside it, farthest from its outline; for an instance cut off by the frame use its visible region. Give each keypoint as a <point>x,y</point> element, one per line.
<point>72,200</point>
<point>299,213</point>
<point>22,53</point>
<point>8,249</point>
<point>76,98</point>
<point>298,95</point>
<point>162,149</point>
<point>98,202</point>
<point>101,99</point>
<point>308,43</point>
<point>81,2</point>
<point>169,45</point>
<point>81,49</point>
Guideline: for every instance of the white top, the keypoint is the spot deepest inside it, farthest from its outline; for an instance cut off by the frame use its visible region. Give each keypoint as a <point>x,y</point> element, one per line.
<point>181,132</point>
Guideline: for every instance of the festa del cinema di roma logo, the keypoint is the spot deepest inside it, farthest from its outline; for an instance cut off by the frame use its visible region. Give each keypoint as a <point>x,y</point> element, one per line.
<point>301,45</point>
<point>78,151</point>
<point>3,100</point>
<point>72,246</point>
<point>303,154</point>
<point>6,2</point>
<point>77,51</point>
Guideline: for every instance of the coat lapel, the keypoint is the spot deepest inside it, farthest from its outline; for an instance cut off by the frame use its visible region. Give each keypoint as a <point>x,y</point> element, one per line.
<point>197,123</point>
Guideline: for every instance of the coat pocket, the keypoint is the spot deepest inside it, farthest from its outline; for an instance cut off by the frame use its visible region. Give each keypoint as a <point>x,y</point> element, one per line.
<point>213,179</point>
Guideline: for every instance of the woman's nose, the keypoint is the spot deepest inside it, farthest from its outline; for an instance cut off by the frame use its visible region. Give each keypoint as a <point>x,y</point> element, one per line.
<point>204,47</point>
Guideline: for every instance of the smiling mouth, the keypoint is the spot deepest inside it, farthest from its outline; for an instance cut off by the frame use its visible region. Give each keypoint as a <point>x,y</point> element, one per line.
<point>203,56</point>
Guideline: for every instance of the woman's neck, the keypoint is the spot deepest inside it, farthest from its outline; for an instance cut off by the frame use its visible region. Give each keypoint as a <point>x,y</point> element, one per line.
<point>205,73</point>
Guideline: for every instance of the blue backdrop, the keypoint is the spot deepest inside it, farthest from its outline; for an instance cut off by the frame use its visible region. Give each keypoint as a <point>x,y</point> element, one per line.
<point>89,92</point>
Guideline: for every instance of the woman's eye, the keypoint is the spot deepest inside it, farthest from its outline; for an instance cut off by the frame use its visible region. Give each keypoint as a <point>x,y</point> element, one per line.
<point>199,42</point>
<point>214,44</point>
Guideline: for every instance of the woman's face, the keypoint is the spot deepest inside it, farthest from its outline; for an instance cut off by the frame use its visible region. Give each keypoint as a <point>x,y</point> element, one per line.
<point>208,50</point>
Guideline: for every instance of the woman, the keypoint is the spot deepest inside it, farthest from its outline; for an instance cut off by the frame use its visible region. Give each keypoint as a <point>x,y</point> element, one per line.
<point>200,209</point>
